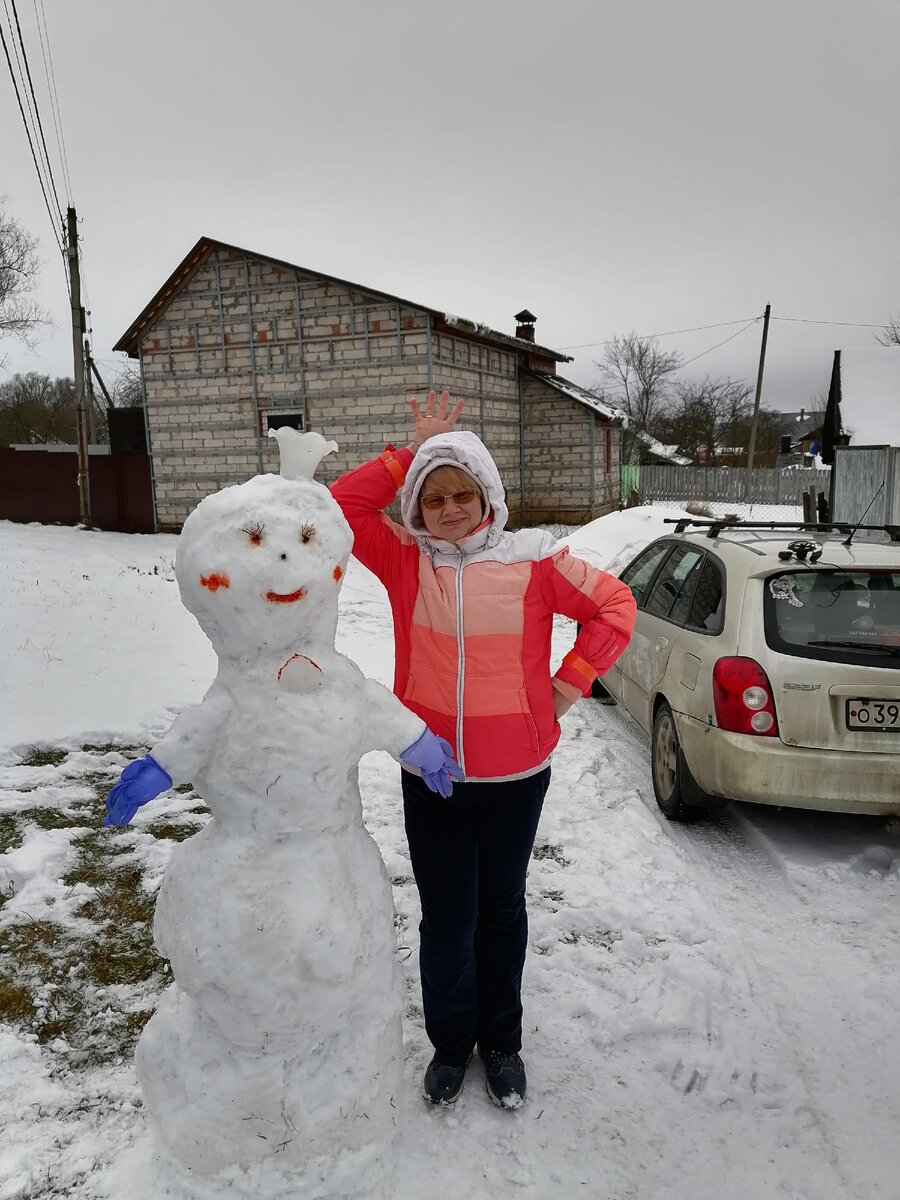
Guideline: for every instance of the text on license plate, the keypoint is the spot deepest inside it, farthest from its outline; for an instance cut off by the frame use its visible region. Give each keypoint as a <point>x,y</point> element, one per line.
<point>883,715</point>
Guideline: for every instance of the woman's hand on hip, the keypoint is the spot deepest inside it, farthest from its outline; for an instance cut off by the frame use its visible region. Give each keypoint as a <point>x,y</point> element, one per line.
<point>561,704</point>
<point>435,418</point>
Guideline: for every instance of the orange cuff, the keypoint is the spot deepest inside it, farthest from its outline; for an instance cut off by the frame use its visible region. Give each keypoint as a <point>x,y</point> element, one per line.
<point>395,470</point>
<point>581,665</point>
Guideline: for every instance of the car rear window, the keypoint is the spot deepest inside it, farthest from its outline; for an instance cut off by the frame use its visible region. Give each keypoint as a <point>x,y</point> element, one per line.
<point>838,615</point>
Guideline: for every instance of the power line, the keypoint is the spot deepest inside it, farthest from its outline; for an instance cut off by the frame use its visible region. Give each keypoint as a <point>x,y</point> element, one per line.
<point>718,344</point>
<point>855,324</point>
<point>37,112</point>
<point>30,142</point>
<point>666,333</point>
<point>54,96</point>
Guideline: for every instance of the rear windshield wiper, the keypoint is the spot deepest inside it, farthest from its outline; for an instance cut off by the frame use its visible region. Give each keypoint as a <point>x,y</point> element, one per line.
<point>875,647</point>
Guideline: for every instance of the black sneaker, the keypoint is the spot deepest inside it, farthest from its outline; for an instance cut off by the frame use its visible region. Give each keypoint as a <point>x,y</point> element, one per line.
<point>506,1084</point>
<point>443,1082</point>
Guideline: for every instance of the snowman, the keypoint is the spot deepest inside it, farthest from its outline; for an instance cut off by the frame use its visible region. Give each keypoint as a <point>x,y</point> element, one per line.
<point>272,1066</point>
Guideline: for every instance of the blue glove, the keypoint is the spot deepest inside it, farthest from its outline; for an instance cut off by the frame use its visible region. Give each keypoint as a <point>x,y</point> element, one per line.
<point>142,780</point>
<point>434,758</point>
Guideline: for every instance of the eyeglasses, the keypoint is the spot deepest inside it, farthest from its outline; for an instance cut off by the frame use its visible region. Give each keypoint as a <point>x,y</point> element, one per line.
<point>436,502</point>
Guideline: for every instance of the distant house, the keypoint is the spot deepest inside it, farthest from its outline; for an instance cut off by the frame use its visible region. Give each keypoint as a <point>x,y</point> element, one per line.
<point>861,436</point>
<point>235,343</point>
<point>800,437</point>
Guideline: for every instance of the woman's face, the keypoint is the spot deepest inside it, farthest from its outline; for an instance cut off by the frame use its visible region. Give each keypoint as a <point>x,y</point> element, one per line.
<point>460,509</point>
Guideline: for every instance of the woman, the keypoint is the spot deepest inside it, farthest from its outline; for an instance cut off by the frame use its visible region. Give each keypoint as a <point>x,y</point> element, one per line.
<point>473,608</point>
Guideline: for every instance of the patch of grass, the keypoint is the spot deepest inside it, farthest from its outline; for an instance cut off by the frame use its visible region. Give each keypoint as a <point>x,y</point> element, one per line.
<point>55,818</point>
<point>91,864</point>
<point>10,833</point>
<point>111,748</point>
<point>16,1005</point>
<point>544,850</point>
<point>173,832</point>
<point>44,756</point>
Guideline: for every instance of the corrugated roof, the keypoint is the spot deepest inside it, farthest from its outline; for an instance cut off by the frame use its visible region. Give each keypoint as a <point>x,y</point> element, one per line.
<point>130,339</point>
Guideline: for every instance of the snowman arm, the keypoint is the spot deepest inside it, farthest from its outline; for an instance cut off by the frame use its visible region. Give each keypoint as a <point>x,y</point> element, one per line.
<point>186,747</point>
<point>389,725</point>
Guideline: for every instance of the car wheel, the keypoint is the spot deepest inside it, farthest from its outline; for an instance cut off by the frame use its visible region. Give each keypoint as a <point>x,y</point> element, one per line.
<point>671,777</point>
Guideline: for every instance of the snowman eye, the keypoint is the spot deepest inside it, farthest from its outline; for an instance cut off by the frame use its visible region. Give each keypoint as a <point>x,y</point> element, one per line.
<point>307,532</point>
<point>254,532</point>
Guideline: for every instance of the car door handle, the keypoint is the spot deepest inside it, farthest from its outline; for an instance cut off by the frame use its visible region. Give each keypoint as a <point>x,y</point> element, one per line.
<point>661,643</point>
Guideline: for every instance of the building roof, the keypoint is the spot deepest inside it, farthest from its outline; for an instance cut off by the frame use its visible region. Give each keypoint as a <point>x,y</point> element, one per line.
<point>582,396</point>
<point>669,453</point>
<point>800,424</point>
<point>870,395</point>
<point>130,339</point>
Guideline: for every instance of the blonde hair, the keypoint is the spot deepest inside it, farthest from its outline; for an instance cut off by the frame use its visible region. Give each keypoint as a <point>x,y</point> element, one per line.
<point>446,480</point>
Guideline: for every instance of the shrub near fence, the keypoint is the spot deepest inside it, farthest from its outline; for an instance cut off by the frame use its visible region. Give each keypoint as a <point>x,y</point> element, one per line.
<point>769,485</point>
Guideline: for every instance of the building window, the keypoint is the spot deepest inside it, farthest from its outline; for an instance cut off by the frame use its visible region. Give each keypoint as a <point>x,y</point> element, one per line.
<point>276,418</point>
<point>608,449</point>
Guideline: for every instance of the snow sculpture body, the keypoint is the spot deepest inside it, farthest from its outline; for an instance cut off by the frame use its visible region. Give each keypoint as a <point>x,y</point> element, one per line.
<point>273,1064</point>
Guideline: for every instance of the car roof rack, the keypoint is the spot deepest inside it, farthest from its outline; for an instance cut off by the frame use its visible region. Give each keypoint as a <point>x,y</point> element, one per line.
<point>716,525</point>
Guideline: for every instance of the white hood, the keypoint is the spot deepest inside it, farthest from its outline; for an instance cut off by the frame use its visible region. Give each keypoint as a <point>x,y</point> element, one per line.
<point>462,449</point>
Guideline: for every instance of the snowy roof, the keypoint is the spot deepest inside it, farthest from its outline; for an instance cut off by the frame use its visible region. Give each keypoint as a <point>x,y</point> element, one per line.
<point>670,453</point>
<point>870,395</point>
<point>583,396</point>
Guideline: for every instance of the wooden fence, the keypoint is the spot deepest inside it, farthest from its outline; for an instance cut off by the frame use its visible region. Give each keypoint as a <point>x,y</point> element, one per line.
<point>770,485</point>
<point>42,485</point>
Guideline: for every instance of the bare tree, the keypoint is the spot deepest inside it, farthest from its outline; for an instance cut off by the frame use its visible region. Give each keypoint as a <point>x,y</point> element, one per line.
<point>19,315</point>
<point>635,377</point>
<point>708,419</point>
<point>128,389</point>
<point>36,410</point>
<point>890,335</point>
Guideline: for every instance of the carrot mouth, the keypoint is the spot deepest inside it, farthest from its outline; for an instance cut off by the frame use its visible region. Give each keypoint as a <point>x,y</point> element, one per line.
<point>286,597</point>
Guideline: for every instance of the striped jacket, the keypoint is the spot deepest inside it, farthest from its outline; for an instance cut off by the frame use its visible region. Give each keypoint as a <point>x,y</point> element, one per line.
<point>473,619</point>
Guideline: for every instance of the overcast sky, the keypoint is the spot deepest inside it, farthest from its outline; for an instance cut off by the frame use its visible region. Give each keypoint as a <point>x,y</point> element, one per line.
<point>644,165</point>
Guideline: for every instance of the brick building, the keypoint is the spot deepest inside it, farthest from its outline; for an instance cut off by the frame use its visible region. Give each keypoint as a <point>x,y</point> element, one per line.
<point>235,343</point>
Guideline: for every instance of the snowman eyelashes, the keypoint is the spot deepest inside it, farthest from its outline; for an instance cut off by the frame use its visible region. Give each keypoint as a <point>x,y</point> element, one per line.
<point>254,532</point>
<point>307,532</point>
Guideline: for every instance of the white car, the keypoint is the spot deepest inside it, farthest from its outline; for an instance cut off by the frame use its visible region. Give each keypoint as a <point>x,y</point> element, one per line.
<point>765,666</point>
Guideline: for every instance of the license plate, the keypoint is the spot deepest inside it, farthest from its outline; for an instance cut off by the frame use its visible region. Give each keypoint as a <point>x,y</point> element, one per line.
<point>883,716</point>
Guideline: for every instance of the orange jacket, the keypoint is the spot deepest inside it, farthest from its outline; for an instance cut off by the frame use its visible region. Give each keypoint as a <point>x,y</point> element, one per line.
<point>473,619</point>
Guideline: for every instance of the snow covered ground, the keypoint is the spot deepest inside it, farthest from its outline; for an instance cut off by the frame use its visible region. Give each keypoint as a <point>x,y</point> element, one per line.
<point>711,1012</point>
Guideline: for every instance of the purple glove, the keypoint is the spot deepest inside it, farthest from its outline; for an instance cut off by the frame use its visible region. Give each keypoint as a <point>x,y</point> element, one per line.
<point>142,780</point>
<point>434,758</point>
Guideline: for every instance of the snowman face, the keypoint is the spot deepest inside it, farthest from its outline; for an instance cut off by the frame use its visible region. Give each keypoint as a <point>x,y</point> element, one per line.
<point>260,564</point>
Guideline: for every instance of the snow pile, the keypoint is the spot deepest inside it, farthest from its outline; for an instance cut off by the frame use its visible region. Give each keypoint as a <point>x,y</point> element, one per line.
<point>611,542</point>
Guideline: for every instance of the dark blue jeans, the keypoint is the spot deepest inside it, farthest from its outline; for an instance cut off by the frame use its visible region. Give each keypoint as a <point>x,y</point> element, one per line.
<point>470,855</point>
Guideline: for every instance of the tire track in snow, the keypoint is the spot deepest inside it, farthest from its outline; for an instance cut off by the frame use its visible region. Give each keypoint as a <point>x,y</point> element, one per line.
<point>816,977</point>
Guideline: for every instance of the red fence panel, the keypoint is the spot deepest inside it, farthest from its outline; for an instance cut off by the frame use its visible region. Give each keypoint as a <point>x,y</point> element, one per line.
<point>42,485</point>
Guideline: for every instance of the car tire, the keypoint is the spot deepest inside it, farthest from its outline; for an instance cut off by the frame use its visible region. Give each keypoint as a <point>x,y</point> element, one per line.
<point>672,779</point>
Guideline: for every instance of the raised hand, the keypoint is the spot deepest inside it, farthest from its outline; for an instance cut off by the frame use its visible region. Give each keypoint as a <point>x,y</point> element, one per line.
<point>434,419</point>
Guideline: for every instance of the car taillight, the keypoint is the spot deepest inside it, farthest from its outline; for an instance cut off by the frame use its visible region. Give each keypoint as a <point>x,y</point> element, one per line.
<point>743,697</point>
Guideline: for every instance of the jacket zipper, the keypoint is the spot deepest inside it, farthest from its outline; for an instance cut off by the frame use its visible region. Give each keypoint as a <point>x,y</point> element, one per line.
<point>461,665</point>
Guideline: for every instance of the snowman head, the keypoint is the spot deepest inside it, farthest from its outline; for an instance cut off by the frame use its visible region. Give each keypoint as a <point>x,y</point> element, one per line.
<point>260,565</point>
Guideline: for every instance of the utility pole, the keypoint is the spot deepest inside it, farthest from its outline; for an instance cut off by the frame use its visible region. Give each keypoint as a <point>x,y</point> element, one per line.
<point>84,486</point>
<point>748,484</point>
